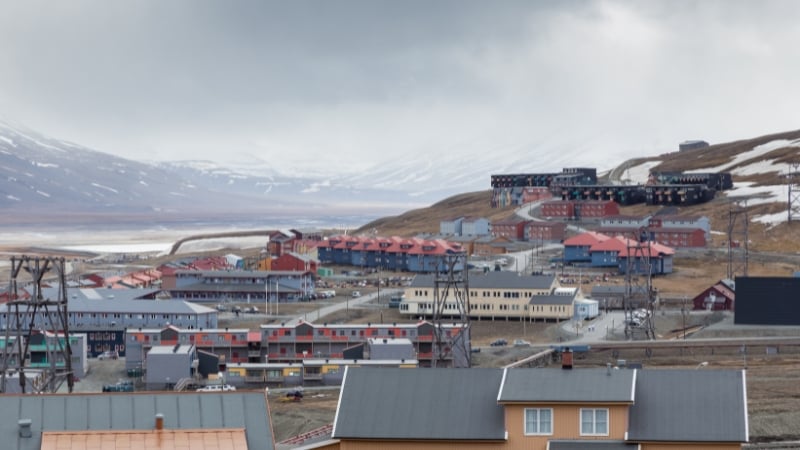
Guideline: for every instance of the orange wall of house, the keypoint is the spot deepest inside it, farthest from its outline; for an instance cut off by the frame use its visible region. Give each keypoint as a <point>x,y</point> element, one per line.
<point>378,445</point>
<point>566,425</point>
<point>684,446</point>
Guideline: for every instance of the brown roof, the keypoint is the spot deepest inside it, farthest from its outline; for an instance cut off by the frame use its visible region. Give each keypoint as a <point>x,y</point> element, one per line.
<point>204,439</point>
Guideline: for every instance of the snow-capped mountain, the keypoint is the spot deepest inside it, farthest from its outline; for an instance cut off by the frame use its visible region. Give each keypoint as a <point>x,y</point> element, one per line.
<point>46,175</point>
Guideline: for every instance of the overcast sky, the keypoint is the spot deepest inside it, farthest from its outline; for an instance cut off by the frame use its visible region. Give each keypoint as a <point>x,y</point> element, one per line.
<point>351,83</point>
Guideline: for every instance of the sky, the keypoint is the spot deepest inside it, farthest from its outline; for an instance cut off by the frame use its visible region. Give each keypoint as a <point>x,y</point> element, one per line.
<point>345,85</point>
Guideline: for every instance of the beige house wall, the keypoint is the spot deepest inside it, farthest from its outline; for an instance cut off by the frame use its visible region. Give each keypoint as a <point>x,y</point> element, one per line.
<point>566,425</point>
<point>491,303</point>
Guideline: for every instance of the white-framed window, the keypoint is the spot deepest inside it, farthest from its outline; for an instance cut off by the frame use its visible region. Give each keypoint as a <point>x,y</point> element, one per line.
<point>594,422</point>
<point>538,421</point>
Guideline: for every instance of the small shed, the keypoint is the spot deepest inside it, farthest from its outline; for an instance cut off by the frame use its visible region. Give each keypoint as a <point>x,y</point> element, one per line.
<point>167,364</point>
<point>586,309</point>
<point>400,348</point>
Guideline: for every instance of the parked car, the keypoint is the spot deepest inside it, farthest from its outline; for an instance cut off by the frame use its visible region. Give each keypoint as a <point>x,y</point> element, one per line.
<point>521,343</point>
<point>356,294</point>
<point>119,386</point>
<point>217,388</point>
<point>499,343</point>
<point>251,310</point>
<point>108,355</point>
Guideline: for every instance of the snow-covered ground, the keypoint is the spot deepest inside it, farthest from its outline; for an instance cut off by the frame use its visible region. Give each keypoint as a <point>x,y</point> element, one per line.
<point>744,191</point>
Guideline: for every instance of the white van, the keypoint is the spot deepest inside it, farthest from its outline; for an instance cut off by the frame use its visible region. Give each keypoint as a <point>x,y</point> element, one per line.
<point>217,388</point>
<point>356,294</point>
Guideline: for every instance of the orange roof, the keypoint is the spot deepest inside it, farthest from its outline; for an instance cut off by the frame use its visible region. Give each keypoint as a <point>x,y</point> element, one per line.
<point>586,239</point>
<point>223,439</point>
<point>615,244</point>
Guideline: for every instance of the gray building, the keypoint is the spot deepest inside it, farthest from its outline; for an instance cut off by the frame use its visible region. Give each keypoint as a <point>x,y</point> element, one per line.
<point>475,226</point>
<point>451,227</point>
<point>104,314</point>
<point>219,286</point>
<point>166,365</point>
<point>397,349</point>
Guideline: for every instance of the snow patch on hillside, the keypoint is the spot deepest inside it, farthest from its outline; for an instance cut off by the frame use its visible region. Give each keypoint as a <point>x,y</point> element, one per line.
<point>639,174</point>
<point>756,152</point>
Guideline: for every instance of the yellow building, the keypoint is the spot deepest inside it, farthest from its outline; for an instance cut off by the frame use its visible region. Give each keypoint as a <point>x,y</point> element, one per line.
<point>496,295</point>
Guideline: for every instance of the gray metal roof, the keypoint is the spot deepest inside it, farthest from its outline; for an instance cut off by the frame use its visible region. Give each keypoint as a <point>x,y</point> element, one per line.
<point>495,280</point>
<point>553,299</point>
<point>560,385</point>
<point>241,273</point>
<point>689,405</point>
<point>449,404</point>
<point>231,287</point>
<point>88,301</point>
<point>109,412</point>
<point>583,444</point>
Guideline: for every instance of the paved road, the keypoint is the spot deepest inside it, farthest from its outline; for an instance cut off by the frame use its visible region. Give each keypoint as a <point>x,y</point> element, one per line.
<point>349,302</point>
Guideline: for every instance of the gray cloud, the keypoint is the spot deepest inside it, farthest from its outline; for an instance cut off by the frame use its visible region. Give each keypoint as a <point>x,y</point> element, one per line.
<point>351,83</point>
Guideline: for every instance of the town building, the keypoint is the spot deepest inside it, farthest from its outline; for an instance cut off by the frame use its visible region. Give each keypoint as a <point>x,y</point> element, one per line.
<point>104,314</point>
<point>719,297</point>
<point>496,295</point>
<point>544,232</point>
<point>298,342</point>
<point>598,250</point>
<point>451,226</point>
<point>394,253</point>
<point>241,286</point>
<point>541,409</point>
<point>511,228</point>
<point>579,209</point>
<point>475,226</point>
<point>42,347</point>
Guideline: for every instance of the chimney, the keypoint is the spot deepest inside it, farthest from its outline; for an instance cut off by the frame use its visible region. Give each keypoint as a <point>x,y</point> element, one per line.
<point>25,428</point>
<point>159,421</point>
<point>566,358</point>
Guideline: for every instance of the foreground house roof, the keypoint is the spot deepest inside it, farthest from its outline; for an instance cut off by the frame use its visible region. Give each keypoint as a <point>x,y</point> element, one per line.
<point>662,405</point>
<point>557,385</point>
<point>694,405</point>
<point>92,413</point>
<point>441,404</point>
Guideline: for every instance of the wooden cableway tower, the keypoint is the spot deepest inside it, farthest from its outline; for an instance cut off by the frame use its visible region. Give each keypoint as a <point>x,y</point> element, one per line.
<point>26,316</point>
<point>451,305</point>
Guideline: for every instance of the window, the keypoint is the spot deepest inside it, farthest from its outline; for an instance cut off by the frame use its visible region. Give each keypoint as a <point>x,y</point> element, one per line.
<point>538,421</point>
<point>594,422</point>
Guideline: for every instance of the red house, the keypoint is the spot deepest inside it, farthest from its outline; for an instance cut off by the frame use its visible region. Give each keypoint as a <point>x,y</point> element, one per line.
<point>511,228</point>
<point>291,261</point>
<point>536,231</point>
<point>718,297</point>
<point>680,237</point>
<point>563,209</point>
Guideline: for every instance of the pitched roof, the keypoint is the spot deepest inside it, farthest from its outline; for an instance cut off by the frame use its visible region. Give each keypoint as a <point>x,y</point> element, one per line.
<point>559,385</point>
<point>126,412</point>
<point>91,301</point>
<point>495,280</point>
<point>689,405</point>
<point>553,299</point>
<point>384,403</point>
<point>585,239</point>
